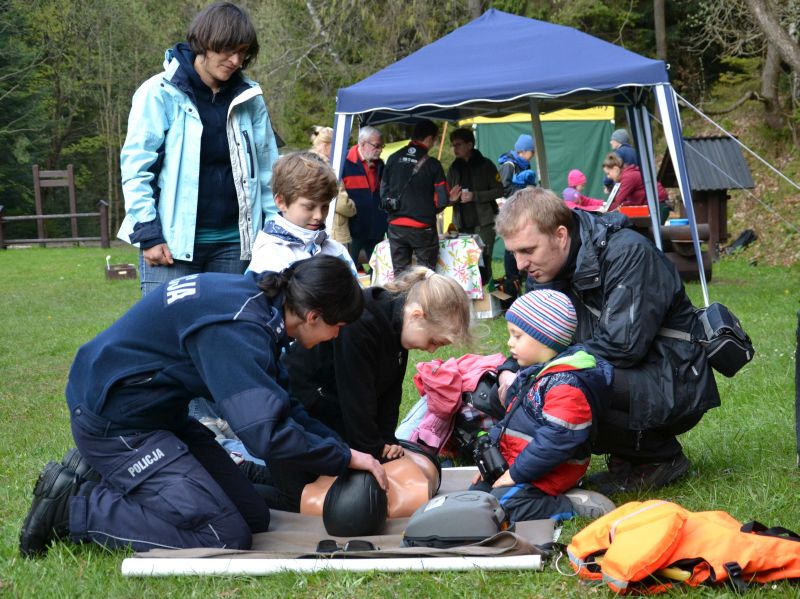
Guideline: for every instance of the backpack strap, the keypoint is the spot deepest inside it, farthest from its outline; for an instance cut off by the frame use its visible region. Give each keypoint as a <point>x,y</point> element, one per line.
<point>415,170</point>
<point>663,331</point>
<point>780,532</point>
<point>735,578</point>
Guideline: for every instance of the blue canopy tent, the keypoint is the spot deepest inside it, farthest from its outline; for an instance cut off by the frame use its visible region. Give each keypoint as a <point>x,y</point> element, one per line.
<point>500,64</point>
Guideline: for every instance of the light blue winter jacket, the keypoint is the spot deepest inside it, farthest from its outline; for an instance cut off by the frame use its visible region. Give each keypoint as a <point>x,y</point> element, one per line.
<point>160,163</point>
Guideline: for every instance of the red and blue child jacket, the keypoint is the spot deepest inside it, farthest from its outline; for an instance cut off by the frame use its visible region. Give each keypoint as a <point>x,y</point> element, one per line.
<point>546,439</point>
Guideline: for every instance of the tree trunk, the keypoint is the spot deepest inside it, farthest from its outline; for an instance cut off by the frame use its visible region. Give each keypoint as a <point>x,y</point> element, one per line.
<point>475,8</point>
<point>659,23</point>
<point>777,35</point>
<point>773,115</point>
<point>321,31</point>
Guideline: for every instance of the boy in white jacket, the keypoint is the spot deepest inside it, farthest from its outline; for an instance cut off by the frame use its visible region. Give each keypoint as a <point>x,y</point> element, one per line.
<point>304,186</point>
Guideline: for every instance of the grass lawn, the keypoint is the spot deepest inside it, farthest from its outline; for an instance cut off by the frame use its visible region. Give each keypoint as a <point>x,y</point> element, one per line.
<point>53,300</point>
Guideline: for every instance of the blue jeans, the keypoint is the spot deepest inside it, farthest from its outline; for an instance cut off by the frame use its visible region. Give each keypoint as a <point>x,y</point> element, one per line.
<point>523,502</point>
<point>208,257</point>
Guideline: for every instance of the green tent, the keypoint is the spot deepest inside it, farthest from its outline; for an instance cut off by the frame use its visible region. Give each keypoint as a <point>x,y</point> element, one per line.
<point>574,139</point>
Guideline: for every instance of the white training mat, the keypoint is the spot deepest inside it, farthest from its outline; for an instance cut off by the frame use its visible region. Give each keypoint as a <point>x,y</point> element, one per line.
<point>290,545</point>
<point>263,567</point>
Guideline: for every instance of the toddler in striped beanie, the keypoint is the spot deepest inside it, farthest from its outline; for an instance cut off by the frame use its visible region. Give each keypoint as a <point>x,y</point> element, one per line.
<point>541,324</point>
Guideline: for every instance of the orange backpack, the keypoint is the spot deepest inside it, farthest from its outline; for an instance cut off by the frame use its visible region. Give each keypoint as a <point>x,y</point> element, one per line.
<point>643,547</point>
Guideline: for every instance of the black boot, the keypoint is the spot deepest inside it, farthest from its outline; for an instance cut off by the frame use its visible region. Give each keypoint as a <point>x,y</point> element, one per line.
<point>48,518</point>
<point>78,464</point>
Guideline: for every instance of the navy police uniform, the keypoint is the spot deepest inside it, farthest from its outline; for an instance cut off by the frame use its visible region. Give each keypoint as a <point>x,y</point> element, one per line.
<point>165,480</point>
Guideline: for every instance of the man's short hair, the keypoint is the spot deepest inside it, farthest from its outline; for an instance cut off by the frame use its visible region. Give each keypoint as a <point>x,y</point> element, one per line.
<point>223,26</point>
<point>612,159</point>
<point>364,133</point>
<point>423,129</point>
<point>303,174</point>
<point>463,134</point>
<point>536,205</point>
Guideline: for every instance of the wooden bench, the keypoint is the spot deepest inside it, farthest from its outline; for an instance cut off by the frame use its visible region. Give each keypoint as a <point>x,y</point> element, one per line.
<point>42,179</point>
<point>676,242</point>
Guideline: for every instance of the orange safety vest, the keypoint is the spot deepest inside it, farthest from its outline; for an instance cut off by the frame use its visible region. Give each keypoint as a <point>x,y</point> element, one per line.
<point>642,546</point>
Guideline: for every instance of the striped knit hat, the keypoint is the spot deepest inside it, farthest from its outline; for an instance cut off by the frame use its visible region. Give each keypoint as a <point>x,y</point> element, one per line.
<point>546,315</point>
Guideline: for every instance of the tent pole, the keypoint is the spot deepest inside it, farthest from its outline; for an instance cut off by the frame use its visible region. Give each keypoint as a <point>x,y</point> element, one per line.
<point>441,142</point>
<point>644,144</point>
<point>538,138</point>
<point>668,107</point>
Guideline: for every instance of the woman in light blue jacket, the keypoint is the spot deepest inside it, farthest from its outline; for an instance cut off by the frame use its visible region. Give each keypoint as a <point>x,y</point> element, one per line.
<point>197,160</point>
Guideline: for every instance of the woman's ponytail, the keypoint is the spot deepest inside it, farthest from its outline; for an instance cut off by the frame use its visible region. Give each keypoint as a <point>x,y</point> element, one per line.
<point>274,283</point>
<point>323,284</point>
<point>441,298</point>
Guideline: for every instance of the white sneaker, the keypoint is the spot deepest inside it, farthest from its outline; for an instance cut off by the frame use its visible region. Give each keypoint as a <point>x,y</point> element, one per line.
<point>589,504</point>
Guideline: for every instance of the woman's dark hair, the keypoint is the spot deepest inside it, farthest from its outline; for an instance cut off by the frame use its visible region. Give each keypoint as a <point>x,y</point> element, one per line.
<point>223,26</point>
<point>322,283</point>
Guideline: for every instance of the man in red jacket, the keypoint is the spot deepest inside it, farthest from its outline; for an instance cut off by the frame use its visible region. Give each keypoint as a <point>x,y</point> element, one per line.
<point>363,170</point>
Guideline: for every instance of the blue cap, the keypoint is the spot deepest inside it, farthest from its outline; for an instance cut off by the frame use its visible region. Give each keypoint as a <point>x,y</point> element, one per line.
<point>524,144</point>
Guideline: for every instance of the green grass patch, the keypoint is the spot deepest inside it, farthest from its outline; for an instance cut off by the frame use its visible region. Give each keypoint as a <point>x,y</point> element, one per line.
<point>54,300</point>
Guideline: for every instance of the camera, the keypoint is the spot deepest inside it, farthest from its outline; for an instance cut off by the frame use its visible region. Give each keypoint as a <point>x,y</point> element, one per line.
<point>390,204</point>
<point>491,463</point>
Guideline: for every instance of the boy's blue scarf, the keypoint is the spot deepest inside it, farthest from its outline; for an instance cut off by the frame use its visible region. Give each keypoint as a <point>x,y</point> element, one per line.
<point>516,159</point>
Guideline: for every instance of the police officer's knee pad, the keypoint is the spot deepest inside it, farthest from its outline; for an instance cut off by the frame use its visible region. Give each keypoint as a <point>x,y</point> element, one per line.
<point>355,505</point>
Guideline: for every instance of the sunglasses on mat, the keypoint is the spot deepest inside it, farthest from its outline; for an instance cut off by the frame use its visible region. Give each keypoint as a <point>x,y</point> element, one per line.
<point>331,546</point>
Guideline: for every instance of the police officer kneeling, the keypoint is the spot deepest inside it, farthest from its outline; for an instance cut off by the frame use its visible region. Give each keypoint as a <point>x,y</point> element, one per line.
<point>147,474</point>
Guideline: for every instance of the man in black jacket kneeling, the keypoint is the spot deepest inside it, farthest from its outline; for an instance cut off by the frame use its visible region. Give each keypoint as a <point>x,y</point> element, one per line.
<point>625,291</point>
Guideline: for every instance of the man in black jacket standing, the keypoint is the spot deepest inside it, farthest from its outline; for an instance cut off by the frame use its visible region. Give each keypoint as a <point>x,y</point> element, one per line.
<point>415,181</point>
<point>480,185</point>
<point>625,292</point>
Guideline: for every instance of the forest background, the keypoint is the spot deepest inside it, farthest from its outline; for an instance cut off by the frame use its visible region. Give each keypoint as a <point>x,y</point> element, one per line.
<point>68,69</point>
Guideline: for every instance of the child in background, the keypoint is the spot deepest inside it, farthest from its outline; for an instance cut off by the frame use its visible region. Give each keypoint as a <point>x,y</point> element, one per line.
<point>303,185</point>
<point>573,197</point>
<point>545,434</point>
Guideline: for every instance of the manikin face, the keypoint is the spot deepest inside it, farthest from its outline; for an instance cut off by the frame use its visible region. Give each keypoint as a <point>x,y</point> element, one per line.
<point>215,68</point>
<point>303,212</point>
<point>525,349</point>
<point>543,256</point>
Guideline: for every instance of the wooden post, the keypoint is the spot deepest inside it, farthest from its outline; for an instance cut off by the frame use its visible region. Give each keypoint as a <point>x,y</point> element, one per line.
<point>440,216</point>
<point>37,197</point>
<point>538,138</point>
<point>2,232</point>
<point>104,242</point>
<point>73,204</point>
<point>441,142</point>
